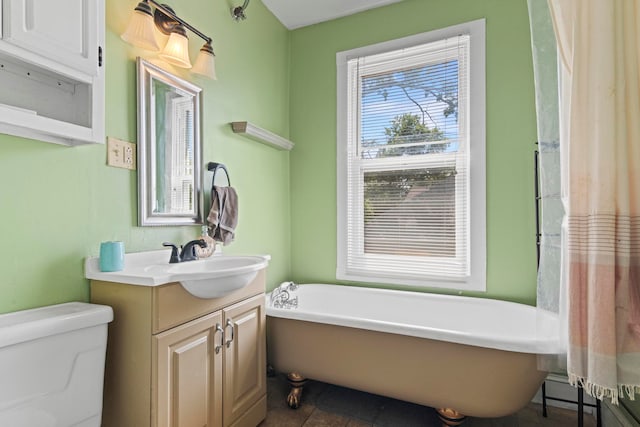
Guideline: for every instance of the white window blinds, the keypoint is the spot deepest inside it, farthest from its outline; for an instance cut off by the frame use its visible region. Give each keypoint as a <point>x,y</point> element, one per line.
<point>407,181</point>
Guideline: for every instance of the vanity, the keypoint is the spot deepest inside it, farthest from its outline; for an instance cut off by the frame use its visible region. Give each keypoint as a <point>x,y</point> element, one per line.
<point>177,360</point>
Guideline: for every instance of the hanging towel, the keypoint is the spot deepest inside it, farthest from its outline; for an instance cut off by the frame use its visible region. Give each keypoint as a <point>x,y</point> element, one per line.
<point>223,215</point>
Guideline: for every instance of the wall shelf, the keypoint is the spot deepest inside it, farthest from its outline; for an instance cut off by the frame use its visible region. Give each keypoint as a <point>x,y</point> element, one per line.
<point>261,135</point>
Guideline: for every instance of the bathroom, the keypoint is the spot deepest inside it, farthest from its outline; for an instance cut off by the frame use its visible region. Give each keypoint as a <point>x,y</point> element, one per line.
<point>60,203</point>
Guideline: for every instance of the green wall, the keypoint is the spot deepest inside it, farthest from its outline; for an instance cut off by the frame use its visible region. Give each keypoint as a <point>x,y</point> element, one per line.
<point>59,203</point>
<point>510,133</point>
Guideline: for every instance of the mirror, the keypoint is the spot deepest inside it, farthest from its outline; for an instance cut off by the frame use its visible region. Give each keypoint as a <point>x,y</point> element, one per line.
<point>169,148</point>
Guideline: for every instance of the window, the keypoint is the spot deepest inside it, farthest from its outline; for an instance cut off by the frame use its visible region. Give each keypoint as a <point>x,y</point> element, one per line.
<point>411,160</point>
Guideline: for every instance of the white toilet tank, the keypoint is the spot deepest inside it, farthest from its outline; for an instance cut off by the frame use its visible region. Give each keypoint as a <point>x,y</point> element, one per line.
<point>52,365</point>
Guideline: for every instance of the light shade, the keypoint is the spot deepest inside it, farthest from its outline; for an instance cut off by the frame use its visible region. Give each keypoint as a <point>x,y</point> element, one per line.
<point>140,31</point>
<point>205,62</point>
<point>176,51</point>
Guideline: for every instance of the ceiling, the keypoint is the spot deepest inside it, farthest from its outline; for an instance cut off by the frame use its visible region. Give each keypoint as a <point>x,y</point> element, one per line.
<point>299,13</point>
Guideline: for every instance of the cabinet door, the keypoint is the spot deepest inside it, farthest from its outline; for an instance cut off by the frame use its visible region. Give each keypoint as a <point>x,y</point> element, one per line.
<point>187,388</point>
<point>66,31</point>
<point>245,357</point>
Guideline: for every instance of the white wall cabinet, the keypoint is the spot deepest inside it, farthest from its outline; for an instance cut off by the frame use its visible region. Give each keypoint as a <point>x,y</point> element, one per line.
<point>52,70</point>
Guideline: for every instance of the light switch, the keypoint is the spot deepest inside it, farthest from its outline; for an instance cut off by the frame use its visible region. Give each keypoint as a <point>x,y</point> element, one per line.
<point>121,154</point>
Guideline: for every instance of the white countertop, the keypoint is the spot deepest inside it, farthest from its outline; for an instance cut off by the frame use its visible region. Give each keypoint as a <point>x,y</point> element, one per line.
<point>150,268</point>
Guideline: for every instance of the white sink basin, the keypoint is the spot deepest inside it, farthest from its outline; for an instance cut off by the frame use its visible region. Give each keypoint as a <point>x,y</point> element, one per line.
<point>211,277</point>
<point>216,276</point>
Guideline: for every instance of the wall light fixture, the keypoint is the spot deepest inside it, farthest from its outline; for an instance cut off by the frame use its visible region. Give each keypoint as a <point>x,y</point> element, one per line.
<point>141,33</point>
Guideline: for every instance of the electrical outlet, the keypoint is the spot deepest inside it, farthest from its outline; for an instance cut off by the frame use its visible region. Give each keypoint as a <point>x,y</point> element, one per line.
<point>121,154</point>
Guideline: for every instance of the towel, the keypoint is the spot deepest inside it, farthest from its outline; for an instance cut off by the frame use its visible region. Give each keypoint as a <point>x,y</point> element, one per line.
<point>223,215</point>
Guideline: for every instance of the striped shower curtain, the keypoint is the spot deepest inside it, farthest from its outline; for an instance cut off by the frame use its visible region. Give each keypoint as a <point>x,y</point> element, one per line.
<point>599,48</point>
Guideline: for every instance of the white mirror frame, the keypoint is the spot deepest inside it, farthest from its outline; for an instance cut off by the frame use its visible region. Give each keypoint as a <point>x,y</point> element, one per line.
<point>147,73</point>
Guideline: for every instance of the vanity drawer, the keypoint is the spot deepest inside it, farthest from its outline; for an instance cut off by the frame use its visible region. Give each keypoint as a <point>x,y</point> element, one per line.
<point>173,305</point>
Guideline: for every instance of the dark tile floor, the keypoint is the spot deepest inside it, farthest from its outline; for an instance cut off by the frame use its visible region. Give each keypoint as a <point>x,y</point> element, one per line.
<point>326,405</point>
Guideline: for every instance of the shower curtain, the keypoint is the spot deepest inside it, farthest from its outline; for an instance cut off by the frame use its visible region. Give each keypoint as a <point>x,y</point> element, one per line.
<point>599,48</point>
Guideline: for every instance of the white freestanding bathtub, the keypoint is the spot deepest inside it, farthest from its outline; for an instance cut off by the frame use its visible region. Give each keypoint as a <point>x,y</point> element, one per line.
<point>461,355</point>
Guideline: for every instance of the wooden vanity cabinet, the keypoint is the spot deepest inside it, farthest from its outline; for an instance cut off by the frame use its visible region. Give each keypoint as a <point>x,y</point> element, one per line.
<point>187,383</point>
<point>174,360</point>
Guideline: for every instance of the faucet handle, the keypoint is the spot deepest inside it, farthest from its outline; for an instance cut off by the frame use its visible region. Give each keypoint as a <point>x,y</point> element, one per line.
<point>175,258</point>
<point>189,250</point>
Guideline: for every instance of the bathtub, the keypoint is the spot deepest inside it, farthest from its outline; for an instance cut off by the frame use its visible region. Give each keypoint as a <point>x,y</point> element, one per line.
<point>463,356</point>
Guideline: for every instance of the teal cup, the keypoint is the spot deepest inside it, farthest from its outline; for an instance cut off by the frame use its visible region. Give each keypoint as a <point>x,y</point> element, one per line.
<point>111,256</point>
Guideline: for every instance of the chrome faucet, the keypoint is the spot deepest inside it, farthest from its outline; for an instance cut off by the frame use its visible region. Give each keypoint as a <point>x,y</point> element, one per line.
<point>281,296</point>
<point>187,253</point>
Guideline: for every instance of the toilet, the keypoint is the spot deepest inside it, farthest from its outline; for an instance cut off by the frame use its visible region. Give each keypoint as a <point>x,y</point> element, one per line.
<point>52,365</point>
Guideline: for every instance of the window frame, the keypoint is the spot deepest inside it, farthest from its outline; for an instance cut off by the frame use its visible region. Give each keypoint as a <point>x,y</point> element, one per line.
<point>475,280</point>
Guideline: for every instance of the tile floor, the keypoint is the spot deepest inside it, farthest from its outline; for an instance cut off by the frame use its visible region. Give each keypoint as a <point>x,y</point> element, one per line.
<point>326,405</point>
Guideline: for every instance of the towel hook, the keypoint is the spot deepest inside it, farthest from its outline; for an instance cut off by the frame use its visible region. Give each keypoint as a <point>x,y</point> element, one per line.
<point>213,166</point>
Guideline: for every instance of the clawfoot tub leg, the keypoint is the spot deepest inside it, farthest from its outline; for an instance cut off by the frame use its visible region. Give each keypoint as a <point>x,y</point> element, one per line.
<point>450,417</point>
<point>297,383</point>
